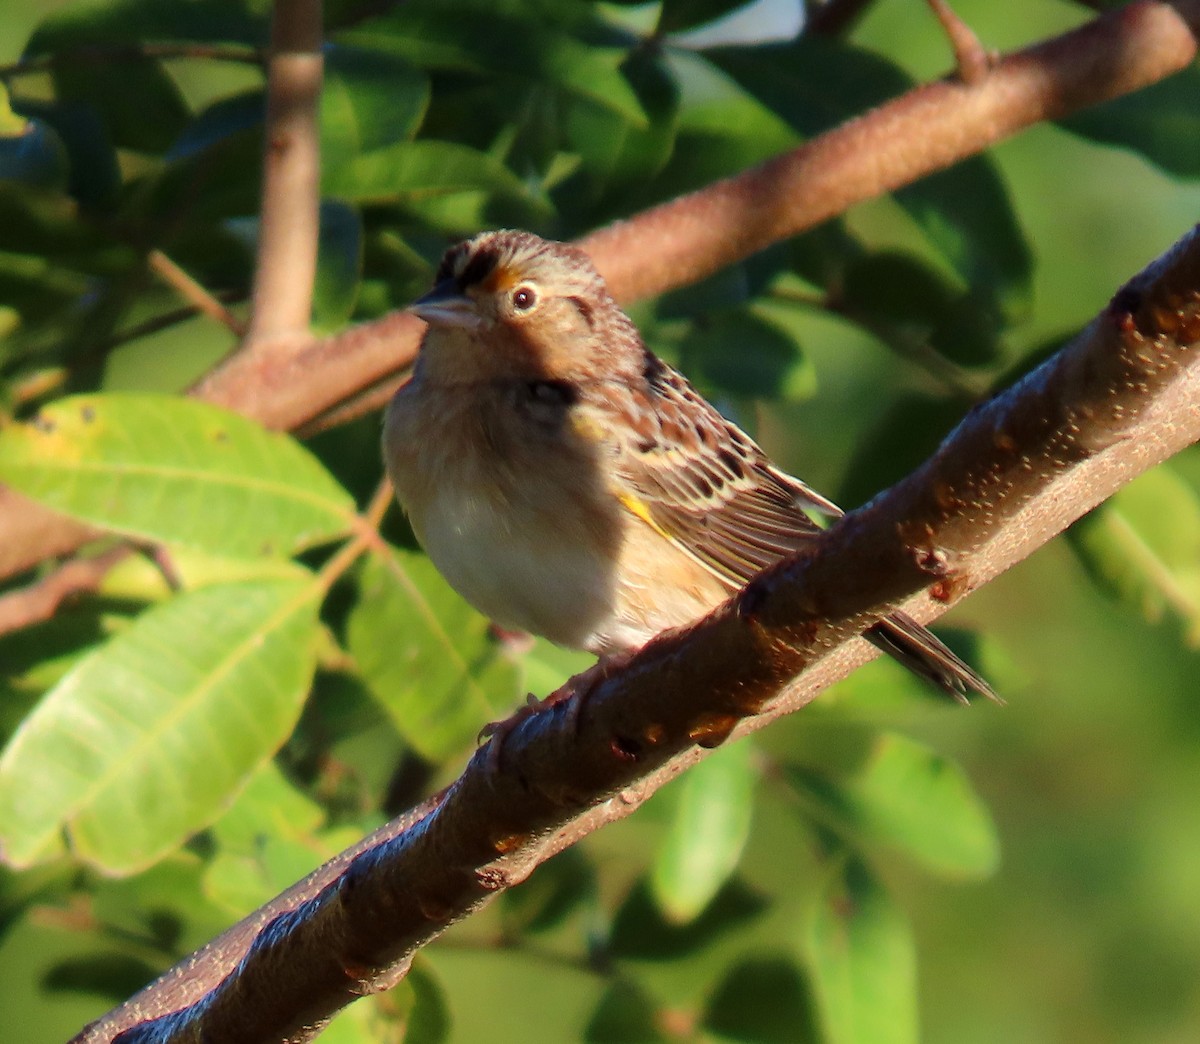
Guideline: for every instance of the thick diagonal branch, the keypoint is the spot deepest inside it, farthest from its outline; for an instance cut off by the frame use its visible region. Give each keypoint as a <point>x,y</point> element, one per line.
<point>1019,468</point>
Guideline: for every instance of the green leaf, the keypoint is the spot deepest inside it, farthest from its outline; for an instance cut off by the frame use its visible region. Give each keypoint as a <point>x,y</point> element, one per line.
<point>416,169</point>
<point>915,309</point>
<point>762,1000</point>
<point>94,177</point>
<point>688,14</point>
<point>862,961</point>
<point>619,154</point>
<point>427,656</point>
<point>269,806</point>
<point>48,223</point>
<point>967,213</point>
<point>719,137</point>
<point>175,470</point>
<point>746,353</point>
<point>369,99</point>
<point>1143,547</point>
<point>891,790</point>
<point>151,735</point>
<point>814,83</point>
<point>704,841</point>
<point>531,50</point>
<point>339,265</point>
<point>270,838</point>
<point>1161,121</point>
<point>548,895</point>
<point>98,23</point>
<point>429,1018</point>
<point>138,102</point>
<point>625,1015</point>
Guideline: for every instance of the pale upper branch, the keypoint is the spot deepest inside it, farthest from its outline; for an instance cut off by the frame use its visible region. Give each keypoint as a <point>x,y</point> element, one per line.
<point>1015,472</point>
<point>286,266</point>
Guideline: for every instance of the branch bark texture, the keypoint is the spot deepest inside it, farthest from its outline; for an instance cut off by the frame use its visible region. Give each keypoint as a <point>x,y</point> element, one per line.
<point>1122,397</point>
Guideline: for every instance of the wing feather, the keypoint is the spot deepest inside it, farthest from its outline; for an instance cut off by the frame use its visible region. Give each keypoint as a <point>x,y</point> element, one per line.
<point>702,482</point>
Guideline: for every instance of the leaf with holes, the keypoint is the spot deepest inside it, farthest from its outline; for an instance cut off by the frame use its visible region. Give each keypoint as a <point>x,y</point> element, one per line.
<point>151,735</point>
<point>178,471</point>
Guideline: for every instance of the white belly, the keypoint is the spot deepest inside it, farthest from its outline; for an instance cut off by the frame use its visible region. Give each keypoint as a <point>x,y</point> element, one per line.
<point>513,571</point>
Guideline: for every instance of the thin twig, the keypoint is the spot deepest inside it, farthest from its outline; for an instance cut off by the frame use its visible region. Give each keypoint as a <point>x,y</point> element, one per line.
<point>374,397</point>
<point>199,297</point>
<point>40,600</point>
<point>970,55</point>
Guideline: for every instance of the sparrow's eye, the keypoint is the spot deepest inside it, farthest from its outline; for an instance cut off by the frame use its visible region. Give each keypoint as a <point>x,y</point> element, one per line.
<point>524,298</point>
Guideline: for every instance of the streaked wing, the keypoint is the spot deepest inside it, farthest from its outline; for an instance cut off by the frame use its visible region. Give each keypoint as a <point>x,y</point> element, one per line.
<point>703,483</point>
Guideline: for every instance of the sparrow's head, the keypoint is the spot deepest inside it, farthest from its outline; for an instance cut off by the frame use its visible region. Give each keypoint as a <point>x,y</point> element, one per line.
<point>520,304</point>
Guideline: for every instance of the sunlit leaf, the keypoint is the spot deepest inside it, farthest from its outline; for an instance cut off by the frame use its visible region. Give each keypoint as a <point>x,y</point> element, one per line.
<point>720,137</point>
<point>427,656</point>
<point>862,961</point>
<point>175,470</point>
<point>618,154</point>
<point>150,736</point>
<point>704,841</point>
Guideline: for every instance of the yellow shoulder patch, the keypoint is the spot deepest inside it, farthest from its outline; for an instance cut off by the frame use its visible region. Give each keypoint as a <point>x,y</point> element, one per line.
<point>640,509</point>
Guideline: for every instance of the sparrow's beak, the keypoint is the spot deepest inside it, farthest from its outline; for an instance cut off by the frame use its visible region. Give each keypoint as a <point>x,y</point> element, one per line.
<point>446,305</point>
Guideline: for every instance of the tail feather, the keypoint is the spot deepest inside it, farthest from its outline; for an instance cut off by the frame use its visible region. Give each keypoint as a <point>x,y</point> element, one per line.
<point>910,644</point>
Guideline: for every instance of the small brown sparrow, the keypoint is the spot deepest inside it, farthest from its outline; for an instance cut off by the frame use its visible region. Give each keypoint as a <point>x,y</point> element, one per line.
<point>566,481</point>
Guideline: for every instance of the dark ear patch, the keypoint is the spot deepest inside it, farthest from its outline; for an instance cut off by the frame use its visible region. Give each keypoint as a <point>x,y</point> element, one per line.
<point>585,309</point>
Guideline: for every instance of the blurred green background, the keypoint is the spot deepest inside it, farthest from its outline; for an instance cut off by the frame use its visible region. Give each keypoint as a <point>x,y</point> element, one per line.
<point>849,353</point>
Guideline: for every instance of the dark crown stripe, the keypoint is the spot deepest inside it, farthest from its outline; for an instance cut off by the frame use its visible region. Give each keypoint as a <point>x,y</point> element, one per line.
<point>479,267</point>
